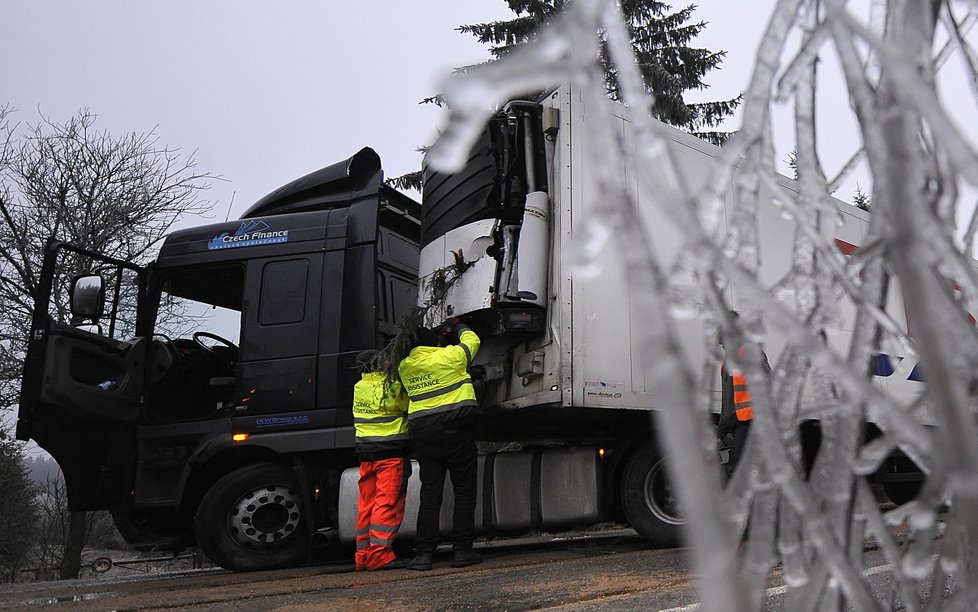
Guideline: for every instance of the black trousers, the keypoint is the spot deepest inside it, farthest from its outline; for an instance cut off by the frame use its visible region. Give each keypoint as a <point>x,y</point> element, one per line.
<point>739,433</point>
<point>454,452</point>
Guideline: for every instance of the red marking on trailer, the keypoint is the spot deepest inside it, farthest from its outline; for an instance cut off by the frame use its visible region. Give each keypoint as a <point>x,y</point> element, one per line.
<point>847,248</point>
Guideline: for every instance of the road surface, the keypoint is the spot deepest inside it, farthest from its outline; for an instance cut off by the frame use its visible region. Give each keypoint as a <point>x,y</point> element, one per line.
<point>609,570</point>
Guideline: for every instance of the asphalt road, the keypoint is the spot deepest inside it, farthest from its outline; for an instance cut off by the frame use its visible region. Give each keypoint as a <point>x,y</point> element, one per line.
<point>609,571</point>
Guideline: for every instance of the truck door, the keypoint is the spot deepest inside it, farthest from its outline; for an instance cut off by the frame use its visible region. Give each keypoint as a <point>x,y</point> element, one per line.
<point>84,373</point>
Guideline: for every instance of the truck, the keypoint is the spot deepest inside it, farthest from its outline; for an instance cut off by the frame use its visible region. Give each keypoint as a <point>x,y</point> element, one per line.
<point>205,398</point>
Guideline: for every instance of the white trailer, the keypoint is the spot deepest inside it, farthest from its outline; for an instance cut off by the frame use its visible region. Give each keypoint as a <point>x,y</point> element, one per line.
<point>558,361</point>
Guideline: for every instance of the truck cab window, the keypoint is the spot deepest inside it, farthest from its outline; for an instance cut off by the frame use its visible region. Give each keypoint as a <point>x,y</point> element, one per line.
<point>283,292</point>
<point>196,336</point>
<point>118,313</point>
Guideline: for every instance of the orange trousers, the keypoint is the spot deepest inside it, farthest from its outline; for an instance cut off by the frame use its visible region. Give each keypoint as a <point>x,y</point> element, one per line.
<point>383,487</point>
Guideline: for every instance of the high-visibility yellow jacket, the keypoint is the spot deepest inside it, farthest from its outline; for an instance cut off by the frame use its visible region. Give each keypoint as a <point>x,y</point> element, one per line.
<point>437,381</point>
<point>380,418</point>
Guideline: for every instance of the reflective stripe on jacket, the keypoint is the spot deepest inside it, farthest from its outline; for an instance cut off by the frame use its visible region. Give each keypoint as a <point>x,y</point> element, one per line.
<point>379,413</point>
<point>736,406</point>
<point>437,380</point>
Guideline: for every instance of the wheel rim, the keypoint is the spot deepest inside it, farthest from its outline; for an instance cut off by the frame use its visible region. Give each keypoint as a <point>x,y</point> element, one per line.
<point>264,517</point>
<point>660,497</point>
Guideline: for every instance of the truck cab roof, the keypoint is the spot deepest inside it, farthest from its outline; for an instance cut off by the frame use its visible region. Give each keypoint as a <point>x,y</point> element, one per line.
<point>293,218</point>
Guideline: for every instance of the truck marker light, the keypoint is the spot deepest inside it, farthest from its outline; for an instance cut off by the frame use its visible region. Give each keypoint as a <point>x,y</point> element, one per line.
<point>239,437</point>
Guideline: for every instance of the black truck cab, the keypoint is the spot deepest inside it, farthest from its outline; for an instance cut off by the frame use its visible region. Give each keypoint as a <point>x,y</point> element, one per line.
<point>223,371</point>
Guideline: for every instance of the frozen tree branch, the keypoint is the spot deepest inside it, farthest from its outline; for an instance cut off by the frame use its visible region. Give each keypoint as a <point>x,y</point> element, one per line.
<point>812,519</point>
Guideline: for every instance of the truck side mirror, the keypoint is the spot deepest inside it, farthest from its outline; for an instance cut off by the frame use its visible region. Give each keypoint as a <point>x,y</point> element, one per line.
<point>87,296</point>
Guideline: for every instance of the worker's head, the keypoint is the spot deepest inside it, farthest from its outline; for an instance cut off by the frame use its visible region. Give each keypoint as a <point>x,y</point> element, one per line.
<point>366,361</point>
<point>426,337</point>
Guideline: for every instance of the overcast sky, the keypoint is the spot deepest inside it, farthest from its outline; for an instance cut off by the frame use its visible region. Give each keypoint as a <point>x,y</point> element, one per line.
<point>268,91</point>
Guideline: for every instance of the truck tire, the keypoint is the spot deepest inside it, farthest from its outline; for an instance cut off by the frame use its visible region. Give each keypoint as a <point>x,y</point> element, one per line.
<point>902,492</point>
<point>647,497</point>
<point>907,487</point>
<point>252,519</point>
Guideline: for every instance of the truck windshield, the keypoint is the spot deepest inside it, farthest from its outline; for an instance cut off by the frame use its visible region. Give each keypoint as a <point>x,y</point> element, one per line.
<point>201,300</point>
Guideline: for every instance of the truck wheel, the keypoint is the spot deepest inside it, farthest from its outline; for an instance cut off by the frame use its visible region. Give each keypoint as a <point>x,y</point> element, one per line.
<point>647,496</point>
<point>902,492</point>
<point>907,479</point>
<point>252,519</point>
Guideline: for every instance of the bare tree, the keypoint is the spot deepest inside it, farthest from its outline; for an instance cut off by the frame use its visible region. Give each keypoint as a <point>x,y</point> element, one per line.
<point>118,195</point>
<point>58,537</point>
<point>812,526</point>
<point>47,552</point>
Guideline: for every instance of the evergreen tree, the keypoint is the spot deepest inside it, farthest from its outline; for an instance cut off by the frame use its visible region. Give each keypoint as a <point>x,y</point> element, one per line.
<point>860,199</point>
<point>661,41</point>
<point>792,162</point>
<point>18,509</point>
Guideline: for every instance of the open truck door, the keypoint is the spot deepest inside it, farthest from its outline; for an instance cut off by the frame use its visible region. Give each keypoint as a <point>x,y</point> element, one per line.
<point>85,372</point>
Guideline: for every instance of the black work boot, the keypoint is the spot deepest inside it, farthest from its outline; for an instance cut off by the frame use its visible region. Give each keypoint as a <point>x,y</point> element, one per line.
<point>462,557</point>
<point>421,562</point>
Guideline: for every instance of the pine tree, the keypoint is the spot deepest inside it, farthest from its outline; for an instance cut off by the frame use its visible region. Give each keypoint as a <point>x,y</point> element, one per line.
<point>661,41</point>
<point>18,509</point>
<point>792,162</point>
<point>860,199</point>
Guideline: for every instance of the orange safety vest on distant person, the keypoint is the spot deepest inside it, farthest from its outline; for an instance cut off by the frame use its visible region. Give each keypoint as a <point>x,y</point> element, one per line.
<point>741,397</point>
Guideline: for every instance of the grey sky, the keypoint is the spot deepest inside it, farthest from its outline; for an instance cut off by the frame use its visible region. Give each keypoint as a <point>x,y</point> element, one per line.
<point>266,92</point>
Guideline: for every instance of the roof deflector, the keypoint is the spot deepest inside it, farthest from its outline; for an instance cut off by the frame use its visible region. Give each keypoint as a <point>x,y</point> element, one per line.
<point>326,188</point>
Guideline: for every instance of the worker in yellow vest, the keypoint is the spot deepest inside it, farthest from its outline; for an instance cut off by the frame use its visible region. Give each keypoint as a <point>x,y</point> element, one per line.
<point>441,413</point>
<point>383,447</point>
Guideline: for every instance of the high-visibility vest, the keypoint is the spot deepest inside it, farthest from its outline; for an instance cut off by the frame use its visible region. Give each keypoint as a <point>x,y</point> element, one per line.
<point>379,415</point>
<point>741,397</point>
<point>437,379</point>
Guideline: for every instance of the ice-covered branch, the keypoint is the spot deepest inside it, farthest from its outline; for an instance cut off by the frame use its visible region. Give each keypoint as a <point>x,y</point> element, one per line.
<point>811,517</point>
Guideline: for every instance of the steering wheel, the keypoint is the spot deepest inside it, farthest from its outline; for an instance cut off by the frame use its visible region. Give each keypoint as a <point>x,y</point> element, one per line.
<point>198,338</point>
<point>169,346</point>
